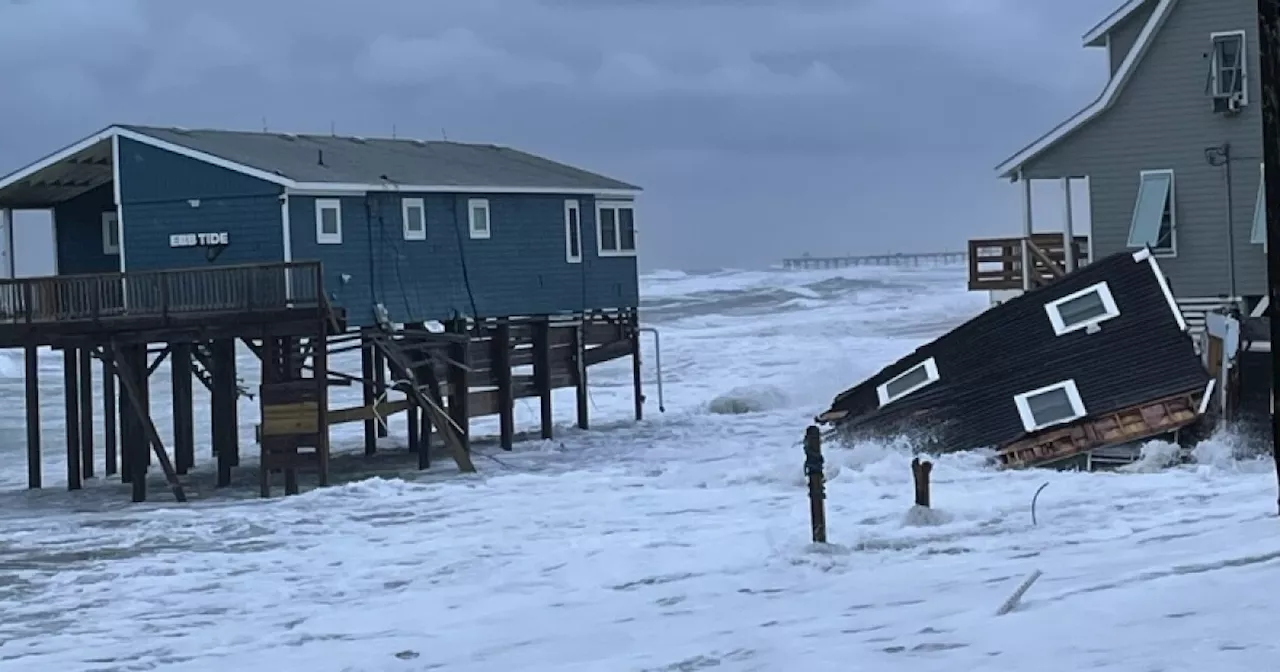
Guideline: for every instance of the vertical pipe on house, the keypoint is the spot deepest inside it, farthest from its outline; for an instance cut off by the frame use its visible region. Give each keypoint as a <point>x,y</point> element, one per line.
<point>1068,228</point>
<point>1027,229</point>
<point>1231,233</point>
<point>1269,54</point>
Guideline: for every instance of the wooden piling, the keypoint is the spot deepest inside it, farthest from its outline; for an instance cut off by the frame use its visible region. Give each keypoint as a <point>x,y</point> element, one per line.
<point>579,366</point>
<point>134,381</point>
<point>109,417</point>
<point>225,418</point>
<point>34,466</point>
<point>542,374</point>
<point>637,388</point>
<point>920,476</point>
<point>500,355</point>
<point>813,463</point>
<point>371,394</point>
<point>459,386</point>
<point>320,369</point>
<point>184,430</point>
<point>71,392</point>
<point>85,386</point>
<point>130,362</point>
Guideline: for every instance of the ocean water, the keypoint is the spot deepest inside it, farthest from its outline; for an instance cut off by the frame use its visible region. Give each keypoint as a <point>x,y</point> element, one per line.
<point>678,543</point>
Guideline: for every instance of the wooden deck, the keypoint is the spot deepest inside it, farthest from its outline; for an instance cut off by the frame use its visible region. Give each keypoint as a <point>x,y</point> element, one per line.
<point>996,263</point>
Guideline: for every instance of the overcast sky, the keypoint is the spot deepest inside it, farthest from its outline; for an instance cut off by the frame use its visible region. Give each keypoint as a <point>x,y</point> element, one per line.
<point>758,128</point>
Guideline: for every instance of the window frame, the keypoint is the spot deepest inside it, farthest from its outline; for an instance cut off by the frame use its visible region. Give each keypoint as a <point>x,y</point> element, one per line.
<point>1170,205</point>
<point>1214,68</point>
<point>110,224</point>
<point>323,204</point>
<point>1258,232</point>
<point>1060,326</point>
<point>572,206</point>
<point>479,234</point>
<point>617,250</point>
<point>407,204</point>
<point>1021,401</point>
<point>930,366</point>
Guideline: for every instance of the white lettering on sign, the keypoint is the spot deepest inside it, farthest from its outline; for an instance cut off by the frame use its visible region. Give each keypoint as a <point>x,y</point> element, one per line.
<point>199,239</point>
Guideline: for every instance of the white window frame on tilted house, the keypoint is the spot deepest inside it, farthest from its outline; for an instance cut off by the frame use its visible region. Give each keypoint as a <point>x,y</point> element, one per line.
<point>572,231</point>
<point>1023,402</point>
<point>1239,86</point>
<point>407,206</point>
<point>1258,234</point>
<point>110,230</point>
<point>930,368</point>
<point>1156,200</point>
<point>1059,322</point>
<point>323,237</point>
<point>618,207</point>
<point>480,230</point>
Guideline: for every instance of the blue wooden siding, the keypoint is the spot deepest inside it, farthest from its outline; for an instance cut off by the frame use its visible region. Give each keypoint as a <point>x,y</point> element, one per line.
<point>520,270</point>
<point>165,193</point>
<point>78,233</point>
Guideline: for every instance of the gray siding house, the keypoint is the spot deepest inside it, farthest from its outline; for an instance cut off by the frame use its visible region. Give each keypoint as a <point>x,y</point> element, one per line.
<point>1171,149</point>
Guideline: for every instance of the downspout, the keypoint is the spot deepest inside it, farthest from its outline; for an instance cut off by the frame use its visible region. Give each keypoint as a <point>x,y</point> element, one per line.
<point>1231,233</point>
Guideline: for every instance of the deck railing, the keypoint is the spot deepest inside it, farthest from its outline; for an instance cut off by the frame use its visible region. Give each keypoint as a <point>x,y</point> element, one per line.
<point>996,263</point>
<point>164,293</point>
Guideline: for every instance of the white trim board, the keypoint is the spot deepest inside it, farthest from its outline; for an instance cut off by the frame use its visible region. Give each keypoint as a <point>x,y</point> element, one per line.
<point>1100,32</point>
<point>1021,401</point>
<point>114,133</point>
<point>930,367</point>
<point>1104,101</point>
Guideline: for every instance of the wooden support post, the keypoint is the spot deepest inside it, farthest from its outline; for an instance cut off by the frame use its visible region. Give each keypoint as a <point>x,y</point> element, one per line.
<point>34,466</point>
<point>1269,78</point>
<point>372,427</point>
<point>459,387</point>
<point>542,374</point>
<point>184,430</point>
<point>320,369</point>
<point>133,380</point>
<point>920,476</point>
<point>580,373</point>
<point>414,429</point>
<point>128,360</point>
<point>225,418</point>
<point>86,412</point>
<point>501,358</point>
<point>380,383</point>
<point>71,391</point>
<point>109,417</point>
<point>817,484</point>
<point>637,388</point>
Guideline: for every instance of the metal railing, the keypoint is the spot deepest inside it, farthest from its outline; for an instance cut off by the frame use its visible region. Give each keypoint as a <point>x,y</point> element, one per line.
<point>185,291</point>
<point>996,263</point>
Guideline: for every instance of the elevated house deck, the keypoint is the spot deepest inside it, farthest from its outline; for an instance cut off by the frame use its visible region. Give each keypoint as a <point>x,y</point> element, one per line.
<point>176,245</point>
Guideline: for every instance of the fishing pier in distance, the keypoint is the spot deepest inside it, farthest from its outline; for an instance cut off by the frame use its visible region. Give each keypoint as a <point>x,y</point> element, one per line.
<point>810,263</point>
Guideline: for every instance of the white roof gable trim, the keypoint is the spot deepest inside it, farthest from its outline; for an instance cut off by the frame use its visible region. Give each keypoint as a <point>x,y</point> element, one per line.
<point>1104,101</point>
<point>112,132</point>
<point>1097,34</point>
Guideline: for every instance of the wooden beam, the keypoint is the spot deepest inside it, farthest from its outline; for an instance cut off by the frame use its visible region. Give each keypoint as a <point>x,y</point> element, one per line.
<point>129,382</point>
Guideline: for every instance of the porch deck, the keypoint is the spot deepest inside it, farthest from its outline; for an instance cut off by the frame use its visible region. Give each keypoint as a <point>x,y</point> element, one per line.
<point>997,263</point>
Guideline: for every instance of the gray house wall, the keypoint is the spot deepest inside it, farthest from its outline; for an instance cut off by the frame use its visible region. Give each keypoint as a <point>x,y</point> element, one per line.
<point>1162,119</point>
<point>1125,34</point>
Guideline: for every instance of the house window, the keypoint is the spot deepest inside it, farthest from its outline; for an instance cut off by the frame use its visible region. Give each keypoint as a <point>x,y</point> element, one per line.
<point>1083,309</point>
<point>1154,222</point>
<point>908,381</point>
<point>572,232</point>
<point>1258,235</point>
<point>478,217</point>
<point>1228,74</point>
<point>615,229</point>
<point>414,215</point>
<point>1050,405</point>
<point>328,221</point>
<point>110,232</point>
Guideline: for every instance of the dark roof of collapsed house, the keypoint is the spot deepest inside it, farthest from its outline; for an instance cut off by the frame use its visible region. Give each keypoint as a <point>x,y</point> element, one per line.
<point>1141,354</point>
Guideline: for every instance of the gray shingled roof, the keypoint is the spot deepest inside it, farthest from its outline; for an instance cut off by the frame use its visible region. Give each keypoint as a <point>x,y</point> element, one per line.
<point>376,160</point>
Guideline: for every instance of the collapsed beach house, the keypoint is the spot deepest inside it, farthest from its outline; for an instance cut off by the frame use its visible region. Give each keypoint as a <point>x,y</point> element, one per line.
<point>1073,372</point>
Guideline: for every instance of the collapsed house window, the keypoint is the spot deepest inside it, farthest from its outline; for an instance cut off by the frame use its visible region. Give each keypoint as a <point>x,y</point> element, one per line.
<point>615,229</point>
<point>478,217</point>
<point>1083,309</point>
<point>110,232</point>
<point>1259,234</point>
<point>414,214</point>
<point>1154,221</point>
<point>328,221</point>
<point>1228,71</point>
<point>908,381</point>
<point>1050,405</point>
<point>572,232</point>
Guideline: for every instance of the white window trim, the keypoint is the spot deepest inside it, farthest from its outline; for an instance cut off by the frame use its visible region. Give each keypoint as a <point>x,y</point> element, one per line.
<point>323,204</point>
<point>110,221</point>
<point>1260,208</point>
<point>617,222</point>
<point>1024,408</point>
<point>1172,250</point>
<point>407,204</point>
<point>930,367</point>
<point>569,234</point>
<point>1060,327</point>
<point>477,233</point>
<point>1244,62</point>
